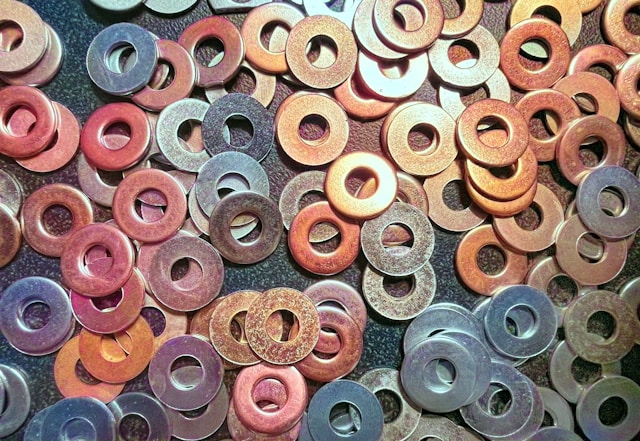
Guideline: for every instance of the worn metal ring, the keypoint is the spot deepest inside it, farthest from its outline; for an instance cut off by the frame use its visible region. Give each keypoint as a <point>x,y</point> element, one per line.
<point>615,30</point>
<point>358,104</point>
<point>87,418</point>
<point>440,427</point>
<point>368,40</point>
<point>264,91</point>
<point>145,407</point>
<point>597,54</point>
<point>34,37</point>
<point>374,80</point>
<point>335,291</point>
<point>558,408</point>
<point>400,39</point>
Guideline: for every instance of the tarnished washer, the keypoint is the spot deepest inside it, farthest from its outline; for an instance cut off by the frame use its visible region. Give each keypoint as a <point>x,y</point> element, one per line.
<point>587,272</point>
<point>228,209</point>
<point>558,408</point>
<point>335,291</point>
<point>398,264</point>
<point>530,343</point>
<point>86,418</point>
<point>168,390</point>
<point>400,39</point>
<point>224,30</point>
<point>630,292</point>
<point>515,266</point>
<point>34,426</point>
<point>597,54</point>
<point>353,394</point>
<point>387,379</point>
<point>197,294</point>
<point>92,183</point>
<point>296,51</point>
<point>236,105</point>
<point>514,40</point>
<point>23,293</point>
<point>433,397</point>
<point>431,426</point>
<point>375,166</point>
<point>369,40</point>
<point>414,68</point>
<point>34,37</point>
<point>587,409</point>
<point>466,77</point>
<point>592,347</point>
<point>228,164</point>
<point>145,407</point>
<point>615,30</point>
<point>587,202</point>
<point>18,400</point>
<point>11,236</point>
<point>138,74</point>
<point>358,104</point>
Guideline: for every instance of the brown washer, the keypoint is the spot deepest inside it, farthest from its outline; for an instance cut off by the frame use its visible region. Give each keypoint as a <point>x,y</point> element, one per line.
<point>184,77</point>
<point>253,26</point>
<point>615,29</point>
<point>466,262</point>
<point>627,86</point>
<point>358,104</point>
<point>33,210</point>
<point>489,155</point>
<point>124,205</point>
<point>525,174</point>
<point>502,208</point>
<point>439,213</point>
<point>315,261</point>
<point>303,33</point>
<point>530,241</point>
<point>400,39</point>
<point>219,28</point>
<point>343,295</point>
<point>320,151</point>
<point>74,271</point>
<point>394,138</point>
<point>568,255</point>
<point>92,137</point>
<point>598,54</point>
<point>41,134</point>
<point>11,236</point>
<point>34,37</point>
<point>67,381</point>
<point>304,311</point>
<point>63,149</point>
<point>568,151</point>
<point>375,166</point>
<point>534,29</point>
<point>347,357</point>
<point>564,110</point>
<point>118,371</point>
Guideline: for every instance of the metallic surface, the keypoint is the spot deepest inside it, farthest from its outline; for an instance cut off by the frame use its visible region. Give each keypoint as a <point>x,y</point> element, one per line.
<point>625,83</point>
<point>369,40</point>
<point>357,103</point>
<point>264,91</point>
<point>432,426</point>
<point>11,192</point>
<point>597,54</point>
<point>558,408</point>
<point>34,36</point>
<point>17,400</point>
<point>400,39</point>
<point>614,28</point>
<point>239,430</point>
<point>11,236</point>
<point>388,87</point>
<point>81,418</point>
<point>630,292</point>
<point>169,7</point>
<point>92,183</point>
<point>342,294</point>
<point>28,291</point>
<point>145,407</point>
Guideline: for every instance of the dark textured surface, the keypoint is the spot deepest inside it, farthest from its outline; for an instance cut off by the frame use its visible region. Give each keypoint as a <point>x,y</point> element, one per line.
<point>78,22</point>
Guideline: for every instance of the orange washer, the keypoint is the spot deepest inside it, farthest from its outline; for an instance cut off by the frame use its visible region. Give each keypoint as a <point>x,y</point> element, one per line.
<point>307,256</point>
<point>398,38</point>
<point>502,208</point>
<point>119,371</point>
<point>68,383</point>
<point>614,27</point>
<point>466,262</point>
<point>359,104</point>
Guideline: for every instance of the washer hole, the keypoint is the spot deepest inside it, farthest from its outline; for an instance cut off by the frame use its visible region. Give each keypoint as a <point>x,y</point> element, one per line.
<point>121,58</point>
<point>587,103</point>
<point>155,318</point>
<point>393,69</point>
<point>585,372</point>
<point>491,260</point>
<point>486,128</point>
<point>548,420</point>
<point>452,8</point>
<point>240,131</point>
<point>561,290</point>
<point>391,404</point>
<point>613,411</point>
<point>209,52</point>
<point>592,154</point>
<point>57,220</point>
<point>163,76</point>
<point>83,375</point>
<point>254,235</point>
<point>470,96</point>
<point>500,401</point>
<point>289,321</point>
<point>36,315</point>
<point>538,127</point>
<point>603,70</point>
<point>503,172</point>
<point>632,20</point>
<point>311,197</point>
<point>345,419</point>
<point>78,429</point>
<point>231,182</point>
<point>243,82</point>
<point>328,246</point>
<point>612,202</point>
<point>397,234</point>
<point>192,414</point>
<point>110,178</point>
<point>529,219</point>
<point>11,36</point>
<point>115,136</point>
<point>455,196</point>
<point>186,379</point>
<point>601,323</point>
<point>531,62</point>
<point>190,136</point>
<point>268,32</point>
<point>444,371</point>
<point>548,12</point>
<point>20,121</point>
<point>182,267</point>
<point>409,16</point>
<point>591,247</point>
<point>398,287</point>
<point>463,50</point>
<point>269,394</point>
<point>423,138</point>
<point>314,129</point>
<point>236,327</point>
<point>356,179</point>
<point>109,302</point>
<point>522,320</point>
<point>322,52</point>
<point>134,428</point>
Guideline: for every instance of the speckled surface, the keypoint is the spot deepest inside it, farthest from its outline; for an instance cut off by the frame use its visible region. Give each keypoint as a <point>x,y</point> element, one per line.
<point>77,22</point>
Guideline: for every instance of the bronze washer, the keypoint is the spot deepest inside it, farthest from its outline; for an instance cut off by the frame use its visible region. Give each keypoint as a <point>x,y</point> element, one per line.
<point>598,54</point>
<point>360,105</point>
<point>391,33</point>
<point>502,208</point>
<point>614,27</point>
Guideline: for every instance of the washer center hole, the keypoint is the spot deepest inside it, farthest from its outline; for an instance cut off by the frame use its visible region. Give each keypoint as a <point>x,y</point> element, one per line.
<point>632,20</point>
<point>243,82</point>
<point>78,429</point>
<point>398,286</point>
<point>470,96</point>
<point>530,218</point>
<point>57,220</point>
<point>455,196</point>
<point>109,302</point>
<point>20,121</point>
<point>83,375</point>
<point>528,60</point>
<point>612,202</point>
<point>500,401</point>
<point>585,372</point>
<point>548,12</point>
<point>186,372</point>
<point>232,182</point>
<point>155,318</point>
<point>274,36</point>
<point>11,36</point>
<point>314,129</point>
<point>328,246</point>
<point>439,375</point>
<point>520,321</point>
<point>345,419</point>
<point>163,76</point>
<point>116,136</point>
<point>491,260</point>
<point>393,69</point>
<point>111,350</point>
<point>121,58</point>
<point>253,234</point>
<point>548,420</point>
<point>463,50</point>
<point>356,181</point>
<point>601,323</point>
<point>270,394</point>
<point>423,138</point>
<point>561,290</point>
<point>538,124</point>
<point>190,136</point>
<point>240,131</point>
<point>391,404</point>
<point>133,427</point>
<point>591,247</point>
<point>322,52</point>
<point>209,52</point>
<point>492,132</point>
<point>409,16</point>
<point>187,271</point>
<point>587,103</point>
<point>613,411</point>
<point>36,315</point>
<point>603,70</point>
<point>236,327</point>
<point>395,235</point>
<point>452,8</point>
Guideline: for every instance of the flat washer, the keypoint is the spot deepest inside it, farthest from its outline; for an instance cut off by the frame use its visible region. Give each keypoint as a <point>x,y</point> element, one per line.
<point>88,418</point>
